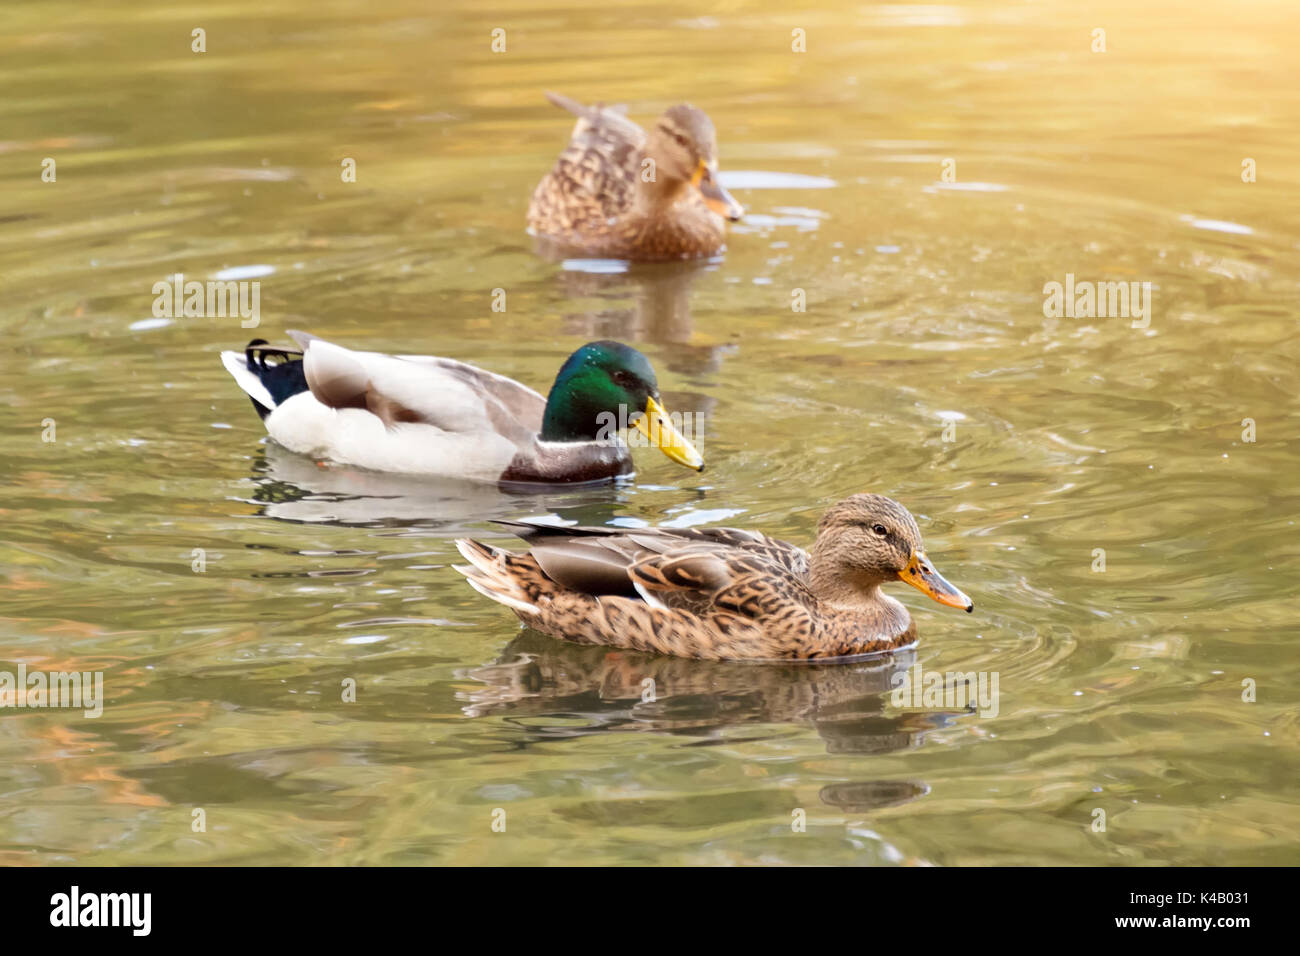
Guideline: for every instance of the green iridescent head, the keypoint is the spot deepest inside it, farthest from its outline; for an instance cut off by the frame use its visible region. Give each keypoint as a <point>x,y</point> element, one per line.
<point>603,385</point>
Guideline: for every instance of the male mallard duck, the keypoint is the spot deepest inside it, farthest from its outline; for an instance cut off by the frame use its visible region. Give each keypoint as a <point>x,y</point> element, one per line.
<point>618,193</point>
<point>718,593</point>
<point>421,414</point>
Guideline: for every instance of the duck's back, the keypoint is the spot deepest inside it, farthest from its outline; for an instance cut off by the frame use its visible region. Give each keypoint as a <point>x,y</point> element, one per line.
<point>592,181</point>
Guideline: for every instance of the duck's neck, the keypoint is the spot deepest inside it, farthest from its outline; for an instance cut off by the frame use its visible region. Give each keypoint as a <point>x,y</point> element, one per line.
<point>571,417</point>
<point>845,589</point>
<point>651,200</point>
<point>857,593</point>
<point>664,223</point>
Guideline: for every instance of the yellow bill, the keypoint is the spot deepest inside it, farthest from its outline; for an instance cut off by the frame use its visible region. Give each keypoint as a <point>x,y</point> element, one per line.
<point>920,573</point>
<point>658,427</point>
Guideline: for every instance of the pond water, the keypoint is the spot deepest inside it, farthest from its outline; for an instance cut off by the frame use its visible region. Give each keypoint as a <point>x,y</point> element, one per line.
<point>921,173</point>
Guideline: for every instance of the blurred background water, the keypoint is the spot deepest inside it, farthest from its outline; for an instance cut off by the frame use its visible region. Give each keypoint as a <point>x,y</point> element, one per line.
<point>1120,690</point>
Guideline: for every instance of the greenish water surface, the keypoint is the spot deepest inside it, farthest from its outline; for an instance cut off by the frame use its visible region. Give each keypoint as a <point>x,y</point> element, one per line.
<point>1121,689</point>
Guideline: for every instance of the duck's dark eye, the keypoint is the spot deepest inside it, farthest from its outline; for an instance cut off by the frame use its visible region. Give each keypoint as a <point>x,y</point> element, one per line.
<point>880,529</point>
<point>622,378</point>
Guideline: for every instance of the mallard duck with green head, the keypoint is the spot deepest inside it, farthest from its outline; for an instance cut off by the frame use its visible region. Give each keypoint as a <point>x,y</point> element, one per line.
<point>719,593</point>
<point>618,192</point>
<point>427,415</point>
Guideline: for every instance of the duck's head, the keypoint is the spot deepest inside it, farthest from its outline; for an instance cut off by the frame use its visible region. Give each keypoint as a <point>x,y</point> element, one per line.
<point>604,386</point>
<point>684,148</point>
<point>866,540</point>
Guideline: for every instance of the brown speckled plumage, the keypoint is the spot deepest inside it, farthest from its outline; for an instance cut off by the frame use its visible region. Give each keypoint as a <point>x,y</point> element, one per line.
<point>722,593</point>
<point>619,192</point>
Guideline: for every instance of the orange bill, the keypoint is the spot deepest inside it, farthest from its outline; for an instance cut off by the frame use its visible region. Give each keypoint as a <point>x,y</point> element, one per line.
<point>715,197</point>
<point>920,573</point>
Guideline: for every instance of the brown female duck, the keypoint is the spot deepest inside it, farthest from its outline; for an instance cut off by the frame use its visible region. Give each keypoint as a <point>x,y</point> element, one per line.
<point>719,593</point>
<point>617,192</point>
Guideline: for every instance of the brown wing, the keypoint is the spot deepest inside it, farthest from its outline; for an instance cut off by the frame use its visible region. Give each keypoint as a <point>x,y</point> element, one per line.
<point>688,599</point>
<point>695,569</point>
<point>704,580</point>
<point>592,180</point>
<point>789,556</point>
<point>792,558</point>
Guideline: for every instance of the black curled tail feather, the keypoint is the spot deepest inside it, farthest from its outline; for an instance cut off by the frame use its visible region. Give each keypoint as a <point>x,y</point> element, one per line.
<point>259,350</point>
<point>283,377</point>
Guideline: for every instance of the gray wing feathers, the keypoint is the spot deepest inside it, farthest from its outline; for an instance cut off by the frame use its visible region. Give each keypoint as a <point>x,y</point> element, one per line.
<point>447,394</point>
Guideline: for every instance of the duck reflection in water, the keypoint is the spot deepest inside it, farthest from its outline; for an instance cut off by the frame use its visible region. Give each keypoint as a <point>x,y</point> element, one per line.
<point>640,302</point>
<point>291,487</point>
<point>587,689</point>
